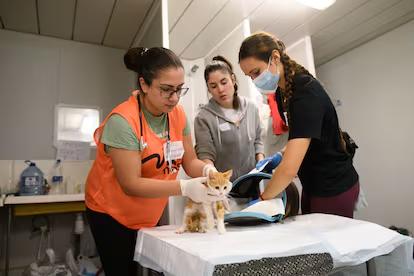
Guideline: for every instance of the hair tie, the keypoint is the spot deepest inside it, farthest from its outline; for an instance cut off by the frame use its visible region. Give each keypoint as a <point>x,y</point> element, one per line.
<point>144,50</point>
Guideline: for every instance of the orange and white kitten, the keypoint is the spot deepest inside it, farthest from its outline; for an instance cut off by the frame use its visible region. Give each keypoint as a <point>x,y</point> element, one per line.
<point>199,217</point>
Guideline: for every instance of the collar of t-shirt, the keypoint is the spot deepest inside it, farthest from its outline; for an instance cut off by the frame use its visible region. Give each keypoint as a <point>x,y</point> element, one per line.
<point>158,124</point>
<point>231,114</point>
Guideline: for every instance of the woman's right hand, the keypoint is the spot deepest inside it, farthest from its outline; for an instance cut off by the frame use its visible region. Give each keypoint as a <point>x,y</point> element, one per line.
<point>197,190</point>
<point>269,163</point>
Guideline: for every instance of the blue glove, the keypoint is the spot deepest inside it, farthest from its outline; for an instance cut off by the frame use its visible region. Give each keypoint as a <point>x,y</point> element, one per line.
<point>269,163</point>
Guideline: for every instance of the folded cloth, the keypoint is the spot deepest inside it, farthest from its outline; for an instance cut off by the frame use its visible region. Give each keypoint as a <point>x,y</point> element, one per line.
<point>279,126</point>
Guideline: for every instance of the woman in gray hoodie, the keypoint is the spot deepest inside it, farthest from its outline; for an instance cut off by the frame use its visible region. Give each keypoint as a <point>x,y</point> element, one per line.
<point>228,130</point>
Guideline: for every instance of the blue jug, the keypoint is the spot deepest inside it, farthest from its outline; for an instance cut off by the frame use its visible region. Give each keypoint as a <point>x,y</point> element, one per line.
<point>31,180</point>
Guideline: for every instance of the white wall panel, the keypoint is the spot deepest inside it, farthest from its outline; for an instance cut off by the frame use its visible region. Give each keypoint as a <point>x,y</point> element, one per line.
<point>38,72</point>
<point>127,17</point>
<point>56,18</point>
<point>374,85</point>
<point>19,15</point>
<point>197,94</point>
<point>195,25</point>
<point>340,9</point>
<point>93,76</point>
<point>90,26</point>
<point>224,23</point>
<point>322,19</point>
<point>28,74</point>
<point>153,36</point>
<point>265,15</point>
<point>387,20</point>
<point>355,18</point>
<point>292,15</point>
<point>196,17</point>
<point>175,9</point>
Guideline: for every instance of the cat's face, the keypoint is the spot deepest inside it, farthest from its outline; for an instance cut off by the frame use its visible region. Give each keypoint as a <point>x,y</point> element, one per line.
<point>219,183</point>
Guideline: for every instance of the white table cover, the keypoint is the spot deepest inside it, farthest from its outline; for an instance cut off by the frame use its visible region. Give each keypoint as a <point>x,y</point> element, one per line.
<point>349,241</point>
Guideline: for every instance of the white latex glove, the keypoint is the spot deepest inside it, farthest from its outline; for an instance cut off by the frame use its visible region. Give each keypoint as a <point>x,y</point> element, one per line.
<point>208,168</point>
<point>196,190</point>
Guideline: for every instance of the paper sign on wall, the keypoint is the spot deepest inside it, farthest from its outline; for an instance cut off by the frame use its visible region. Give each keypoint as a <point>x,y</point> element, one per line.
<point>67,150</point>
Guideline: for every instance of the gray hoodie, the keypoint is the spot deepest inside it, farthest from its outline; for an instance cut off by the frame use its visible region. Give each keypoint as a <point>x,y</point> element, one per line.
<point>227,144</point>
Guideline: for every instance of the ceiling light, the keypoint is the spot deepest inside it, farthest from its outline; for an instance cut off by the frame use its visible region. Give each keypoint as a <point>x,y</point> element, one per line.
<point>317,4</point>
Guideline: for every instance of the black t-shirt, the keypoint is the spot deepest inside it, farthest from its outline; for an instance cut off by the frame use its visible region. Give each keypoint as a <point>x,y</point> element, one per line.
<point>326,169</point>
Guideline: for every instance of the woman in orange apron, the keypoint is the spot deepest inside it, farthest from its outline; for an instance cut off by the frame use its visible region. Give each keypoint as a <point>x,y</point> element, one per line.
<point>141,145</point>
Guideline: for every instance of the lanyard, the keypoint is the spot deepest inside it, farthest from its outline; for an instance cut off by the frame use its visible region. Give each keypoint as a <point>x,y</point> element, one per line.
<point>144,144</point>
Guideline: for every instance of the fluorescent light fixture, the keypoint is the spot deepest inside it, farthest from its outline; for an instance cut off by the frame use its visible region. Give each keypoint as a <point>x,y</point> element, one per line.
<point>317,4</point>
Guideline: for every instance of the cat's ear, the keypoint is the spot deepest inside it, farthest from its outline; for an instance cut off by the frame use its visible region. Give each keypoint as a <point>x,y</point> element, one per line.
<point>228,174</point>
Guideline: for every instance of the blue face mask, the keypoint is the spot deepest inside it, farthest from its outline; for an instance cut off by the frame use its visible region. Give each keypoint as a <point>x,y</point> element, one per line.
<point>266,81</point>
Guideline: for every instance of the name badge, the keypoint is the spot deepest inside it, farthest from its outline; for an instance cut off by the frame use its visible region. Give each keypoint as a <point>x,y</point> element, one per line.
<point>174,151</point>
<point>286,118</point>
<point>224,126</point>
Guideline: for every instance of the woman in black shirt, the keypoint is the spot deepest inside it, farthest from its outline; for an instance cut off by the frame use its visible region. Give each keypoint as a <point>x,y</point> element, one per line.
<point>315,149</point>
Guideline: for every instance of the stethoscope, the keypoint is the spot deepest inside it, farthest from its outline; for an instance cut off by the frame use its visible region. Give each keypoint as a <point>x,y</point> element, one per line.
<point>145,145</point>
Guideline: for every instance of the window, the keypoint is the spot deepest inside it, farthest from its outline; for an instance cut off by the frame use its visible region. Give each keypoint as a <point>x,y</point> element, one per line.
<point>75,123</point>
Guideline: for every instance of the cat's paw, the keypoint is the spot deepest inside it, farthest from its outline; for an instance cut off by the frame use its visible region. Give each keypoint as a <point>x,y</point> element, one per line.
<point>202,230</point>
<point>210,225</point>
<point>180,230</point>
<point>221,230</point>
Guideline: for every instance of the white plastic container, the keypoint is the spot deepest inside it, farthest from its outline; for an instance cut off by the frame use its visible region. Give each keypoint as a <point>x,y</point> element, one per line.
<point>56,179</point>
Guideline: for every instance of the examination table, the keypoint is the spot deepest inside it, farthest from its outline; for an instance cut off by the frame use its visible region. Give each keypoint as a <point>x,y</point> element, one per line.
<point>315,244</point>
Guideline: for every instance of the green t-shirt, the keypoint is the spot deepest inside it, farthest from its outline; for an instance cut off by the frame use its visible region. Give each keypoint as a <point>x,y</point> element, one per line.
<point>117,133</point>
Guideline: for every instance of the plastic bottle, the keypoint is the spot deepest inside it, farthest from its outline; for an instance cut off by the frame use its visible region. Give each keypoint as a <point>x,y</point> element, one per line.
<point>31,180</point>
<point>79,229</point>
<point>79,225</point>
<point>56,179</point>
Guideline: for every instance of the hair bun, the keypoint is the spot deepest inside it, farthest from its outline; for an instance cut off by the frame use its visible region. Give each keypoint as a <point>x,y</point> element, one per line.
<point>132,58</point>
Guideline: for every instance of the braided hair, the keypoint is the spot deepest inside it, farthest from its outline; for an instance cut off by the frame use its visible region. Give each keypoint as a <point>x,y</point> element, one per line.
<point>260,46</point>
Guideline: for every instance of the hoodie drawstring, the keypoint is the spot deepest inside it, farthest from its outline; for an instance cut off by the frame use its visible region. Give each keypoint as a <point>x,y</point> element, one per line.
<point>218,130</point>
<point>248,127</point>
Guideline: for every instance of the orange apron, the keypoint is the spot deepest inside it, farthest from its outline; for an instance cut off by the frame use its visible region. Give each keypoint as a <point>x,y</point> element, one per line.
<point>103,192</point>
